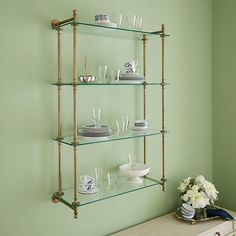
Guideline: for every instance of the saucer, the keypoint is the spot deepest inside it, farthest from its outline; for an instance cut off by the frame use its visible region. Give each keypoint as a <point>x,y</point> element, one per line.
<point>93,191</point>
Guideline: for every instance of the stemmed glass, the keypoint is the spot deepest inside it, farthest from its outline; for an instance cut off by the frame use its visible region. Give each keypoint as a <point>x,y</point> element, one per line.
<point>97,117</point>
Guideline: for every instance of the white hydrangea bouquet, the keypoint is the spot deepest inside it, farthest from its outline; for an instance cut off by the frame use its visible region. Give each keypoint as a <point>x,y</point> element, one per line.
<point>198,192</point>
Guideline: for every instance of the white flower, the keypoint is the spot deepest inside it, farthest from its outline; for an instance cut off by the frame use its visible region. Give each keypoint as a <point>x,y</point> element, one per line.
<point>210,190</point>
<point>185,197</point>
<point>187,180</point>
<point>198,193</point>
<point>190,193</point>
<point>182,187</point>
<point>195,188</point>
<point>200,181</point>
<point>198,200</point>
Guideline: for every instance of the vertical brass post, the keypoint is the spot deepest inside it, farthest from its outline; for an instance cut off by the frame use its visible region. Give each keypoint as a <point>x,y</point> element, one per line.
<point>76,202</point>
<point>163,179</point>
<point>56,196</point>
<point>59,113</point>
<point>144,91</point>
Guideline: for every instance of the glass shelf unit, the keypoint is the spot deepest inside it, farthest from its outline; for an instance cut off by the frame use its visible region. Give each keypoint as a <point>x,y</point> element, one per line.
<point>97,29</point>
<point>114,137</point>
<point>76,28</point>
<point>108,84</point>
<point>122,186</point>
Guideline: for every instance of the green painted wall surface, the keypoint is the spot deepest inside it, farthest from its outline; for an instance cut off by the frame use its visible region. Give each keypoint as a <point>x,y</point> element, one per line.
<point>28,169</point>
<point>224,113</point>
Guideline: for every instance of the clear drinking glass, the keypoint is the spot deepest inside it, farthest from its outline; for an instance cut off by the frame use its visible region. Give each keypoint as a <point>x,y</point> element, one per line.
<point>118,19</point>
<point>102,71</point>
<point>115,76</point>
<point>111,179</point>
<point>131,20</point>
<point>98,175</point>
<point>139,23</point>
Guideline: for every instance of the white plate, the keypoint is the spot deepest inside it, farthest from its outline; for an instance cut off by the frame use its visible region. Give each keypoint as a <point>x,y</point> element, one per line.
<point>144,128</point>
<point>111,24</point>
<point>80,133</point>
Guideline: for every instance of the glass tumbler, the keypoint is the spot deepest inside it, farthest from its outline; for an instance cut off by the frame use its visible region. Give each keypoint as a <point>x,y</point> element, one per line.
<point>131,20</point>
<point>111,179</point>
<point>115,76</point>
<point>102,71</point>
<point>98,175</point>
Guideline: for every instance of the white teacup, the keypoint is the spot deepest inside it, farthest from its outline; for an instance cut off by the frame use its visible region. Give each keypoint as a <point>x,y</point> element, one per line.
<point>84,179</point>
<point>131,63</point>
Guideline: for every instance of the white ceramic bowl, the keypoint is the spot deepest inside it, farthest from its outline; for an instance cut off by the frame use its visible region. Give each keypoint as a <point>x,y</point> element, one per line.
<point>134,172</point>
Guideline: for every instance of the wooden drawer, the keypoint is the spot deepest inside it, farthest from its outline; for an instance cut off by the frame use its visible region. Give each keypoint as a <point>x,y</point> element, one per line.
<point>226,228</point>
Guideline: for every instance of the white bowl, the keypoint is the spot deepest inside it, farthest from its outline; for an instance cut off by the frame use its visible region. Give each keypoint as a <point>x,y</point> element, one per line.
<point>134,172</point>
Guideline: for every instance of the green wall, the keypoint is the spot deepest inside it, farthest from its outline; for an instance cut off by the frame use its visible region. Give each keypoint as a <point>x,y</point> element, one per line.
<point>224,113</point>
<point>28,169</point>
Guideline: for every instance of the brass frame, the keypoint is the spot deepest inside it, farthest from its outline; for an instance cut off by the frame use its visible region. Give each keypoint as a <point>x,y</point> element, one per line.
<point>163,84</point>
<point>56,25</point>
<point>144,39</point>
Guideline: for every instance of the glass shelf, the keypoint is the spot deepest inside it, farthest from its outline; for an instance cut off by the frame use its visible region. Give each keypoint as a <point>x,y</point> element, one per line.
<point>89,28</point>
<point>108,84</point>
<point>114,137</point>
<point>122,186</point>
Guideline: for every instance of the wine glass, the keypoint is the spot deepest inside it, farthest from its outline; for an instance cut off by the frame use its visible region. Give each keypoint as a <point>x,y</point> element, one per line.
<point>97,117</point>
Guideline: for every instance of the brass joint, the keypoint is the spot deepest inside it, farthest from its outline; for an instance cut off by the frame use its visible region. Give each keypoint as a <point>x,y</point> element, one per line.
<point>163,83</point>
<point>74,15</point>
<point>163,35</point>
<point>163,184</point>
<point>163,131</point>
<point>59,138</point>
<point>74,143</point>
<point>75,204</point>
<point>164,179</point>
<point>144,38</point>
<point>57,196</point>
<point>55,24</point>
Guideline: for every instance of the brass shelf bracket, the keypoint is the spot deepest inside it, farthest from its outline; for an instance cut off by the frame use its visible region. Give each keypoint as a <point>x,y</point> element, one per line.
<point>57,196</point>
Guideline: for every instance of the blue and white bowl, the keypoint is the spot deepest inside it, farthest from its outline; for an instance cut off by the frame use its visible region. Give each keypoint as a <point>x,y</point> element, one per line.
<point>187,211</point>
<point>103,18</point>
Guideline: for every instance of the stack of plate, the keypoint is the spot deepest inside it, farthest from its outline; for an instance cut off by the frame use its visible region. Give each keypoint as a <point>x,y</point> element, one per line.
<point>140,125</point>
<point>187,211</point>
<point>93,131</point>
<point>131,78</point>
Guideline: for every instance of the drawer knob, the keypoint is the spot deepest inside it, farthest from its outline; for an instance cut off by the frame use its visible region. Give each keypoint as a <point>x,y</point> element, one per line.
<point>218,233</point>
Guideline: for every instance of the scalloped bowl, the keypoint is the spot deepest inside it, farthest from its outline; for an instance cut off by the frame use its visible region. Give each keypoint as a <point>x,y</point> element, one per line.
<point>134,172</point>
